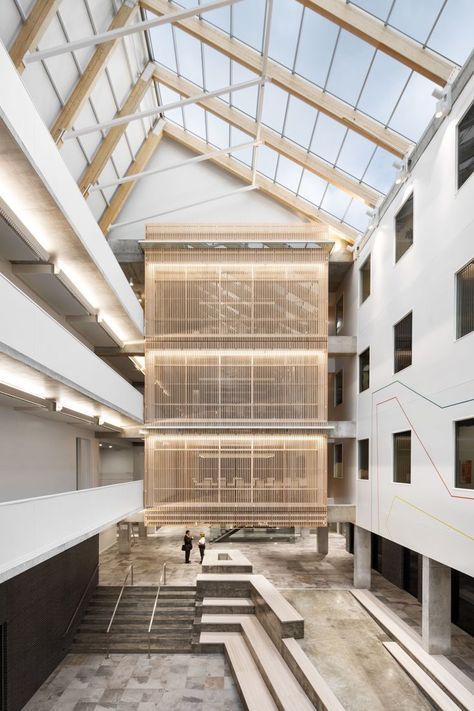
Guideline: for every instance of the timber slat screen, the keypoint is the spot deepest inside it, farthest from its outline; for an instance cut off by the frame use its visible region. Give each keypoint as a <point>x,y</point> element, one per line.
<point>236,375</point>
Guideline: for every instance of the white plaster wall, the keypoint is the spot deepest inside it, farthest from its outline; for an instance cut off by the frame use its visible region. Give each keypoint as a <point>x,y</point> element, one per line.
<point>38,456</point>
<point>189,184</point>
<point>429,515</point>
<point>116,465</point>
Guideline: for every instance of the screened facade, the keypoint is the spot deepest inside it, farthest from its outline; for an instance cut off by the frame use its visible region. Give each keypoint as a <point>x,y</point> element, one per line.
<point>236,339</point>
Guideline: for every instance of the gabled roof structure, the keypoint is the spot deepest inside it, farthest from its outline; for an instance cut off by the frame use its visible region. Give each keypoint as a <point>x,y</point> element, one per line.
<point>315,100</point>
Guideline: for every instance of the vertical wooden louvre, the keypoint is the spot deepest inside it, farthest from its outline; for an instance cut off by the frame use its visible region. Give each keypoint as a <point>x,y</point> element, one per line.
<point>236,375</point>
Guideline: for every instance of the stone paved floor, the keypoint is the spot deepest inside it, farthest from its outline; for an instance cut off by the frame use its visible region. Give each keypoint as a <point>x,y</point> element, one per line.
<point>132,682</point>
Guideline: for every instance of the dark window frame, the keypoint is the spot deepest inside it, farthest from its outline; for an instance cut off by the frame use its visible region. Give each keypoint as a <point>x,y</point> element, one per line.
<point>338,447</point>
<point>341,401</point>
<point>363,271</point>
<point>398,220</point>
<point>362,372</point>
<point>459,474</point>
<point>460,182</point>
<point>398,358</point>
<point>395,476</point>
<point>460,333</point>
<point>365,441</point>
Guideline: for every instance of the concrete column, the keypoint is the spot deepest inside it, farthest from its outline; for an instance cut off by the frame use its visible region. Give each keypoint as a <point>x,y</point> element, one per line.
<point>436,607</point>
<point>124,537</point>
<point>142,530</point>
<point>323,540</point>
<point>304,532</point>
<point>362,557</point>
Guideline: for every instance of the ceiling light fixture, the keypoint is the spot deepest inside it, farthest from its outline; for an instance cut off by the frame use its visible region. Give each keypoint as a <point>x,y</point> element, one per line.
<point>402,171</point>
<point>444,101</point>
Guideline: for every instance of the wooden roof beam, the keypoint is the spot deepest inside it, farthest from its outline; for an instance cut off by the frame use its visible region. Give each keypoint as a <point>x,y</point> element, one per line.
<point>271,138</point>
<point>276,192</point>
<point>32,30</point>
<point>388,40</point>
<point>143,157</point>
<point>95,67</point>
<point>292,83</point>
<point>109,143</point>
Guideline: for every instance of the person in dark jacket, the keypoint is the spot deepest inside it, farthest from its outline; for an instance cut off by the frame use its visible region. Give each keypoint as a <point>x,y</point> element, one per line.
<point>187,546</point>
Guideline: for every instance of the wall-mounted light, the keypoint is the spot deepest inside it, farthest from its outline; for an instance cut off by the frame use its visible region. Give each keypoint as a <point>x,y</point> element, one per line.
<point>402,171</point>
<point>444,101</point>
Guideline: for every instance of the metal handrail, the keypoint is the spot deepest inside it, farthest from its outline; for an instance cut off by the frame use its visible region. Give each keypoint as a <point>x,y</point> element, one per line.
<point>78,607</point>
<point>162,582</point>
<point>129,570</point>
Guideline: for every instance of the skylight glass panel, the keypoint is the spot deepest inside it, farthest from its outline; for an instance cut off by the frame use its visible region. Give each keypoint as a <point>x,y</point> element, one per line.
<point>355,154</point>
<point>288,174</point>
<point>194,118</point>
<point>219,18</point>
<point>286,20</point>
<point>335,201</point>
<point>453,34</point>
<point>318,38</point>
<point>248,19</point>
<point>299,122</point>
<point>356,215</point>
<point>380,172</point>
<point>189,57</point>
<point>267,160</point>
<point>350,66</point>
<point>163,47</point>
<point>168,96</point>
<point>217,131</point>
<point>416,108</point>
<point>385,83</point>
<point>379,8</point>
<point>327,138</point>
<point>244,99</point>
<point>415,18</point>
<point>236,137</point>
<point>216,69</point>
<point>274,107</point>
<point>312,187</point>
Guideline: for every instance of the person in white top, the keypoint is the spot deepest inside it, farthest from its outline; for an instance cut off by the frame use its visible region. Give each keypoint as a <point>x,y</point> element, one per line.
<point>202,545</point>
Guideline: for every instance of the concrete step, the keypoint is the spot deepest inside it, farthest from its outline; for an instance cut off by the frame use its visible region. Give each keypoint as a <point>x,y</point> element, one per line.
<point>123,648</point>
<point>227,605</point>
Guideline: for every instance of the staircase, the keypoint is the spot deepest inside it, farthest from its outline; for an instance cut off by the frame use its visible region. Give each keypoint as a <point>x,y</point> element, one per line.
<point>172,629</point>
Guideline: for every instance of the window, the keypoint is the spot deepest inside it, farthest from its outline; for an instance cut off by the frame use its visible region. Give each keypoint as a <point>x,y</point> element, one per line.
<point>363,459</point>
<point>364,368</point>
<point>465,454</point>
<point>338,388</point>
<point>465,300</point>
<point>402,343</point>
<point>365,280</point>
<point>339,313</point>
<point>402,457</point>
<point>466,146</point>
<point>338,473</point>
<point>404,229</point>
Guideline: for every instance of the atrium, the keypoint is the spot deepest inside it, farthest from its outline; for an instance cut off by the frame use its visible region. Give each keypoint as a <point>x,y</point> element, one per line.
<point>236,332</point>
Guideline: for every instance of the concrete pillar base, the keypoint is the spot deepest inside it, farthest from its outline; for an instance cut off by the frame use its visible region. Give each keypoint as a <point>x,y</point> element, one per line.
<point>142,530</point>
<point>304,532</point>
<point>322,535</point>
<point>362,558</point>
<point>436,607</point>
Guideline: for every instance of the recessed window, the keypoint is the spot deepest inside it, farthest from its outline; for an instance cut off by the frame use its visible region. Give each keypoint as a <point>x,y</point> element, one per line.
<point>365,280</point>
<point>363,459</point>
<point>404,229</point>
<point>338,388</point>
<point>465,454</point>
<point>402,337</point>
<point>402,457</point>
<point>339,313</point>
<point>338,471</point>
<point>465,300</point>
<point>364,370</point>
<point>466,146</point>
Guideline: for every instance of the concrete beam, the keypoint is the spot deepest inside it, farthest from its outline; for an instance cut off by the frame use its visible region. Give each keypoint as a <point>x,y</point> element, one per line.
<point>341,513</point>
<point>342,346</point>
<point>342,429</point>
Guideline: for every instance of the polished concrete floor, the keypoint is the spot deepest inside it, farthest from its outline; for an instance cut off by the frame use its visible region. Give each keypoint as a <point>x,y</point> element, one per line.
<point>132,682</point>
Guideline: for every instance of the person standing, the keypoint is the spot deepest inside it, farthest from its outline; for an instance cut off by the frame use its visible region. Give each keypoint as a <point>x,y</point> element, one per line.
<point>202,545</point>
<point>187,546</point>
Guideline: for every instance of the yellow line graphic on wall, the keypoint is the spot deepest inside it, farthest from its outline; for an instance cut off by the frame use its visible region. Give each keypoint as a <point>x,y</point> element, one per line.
<point>426,513</point>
